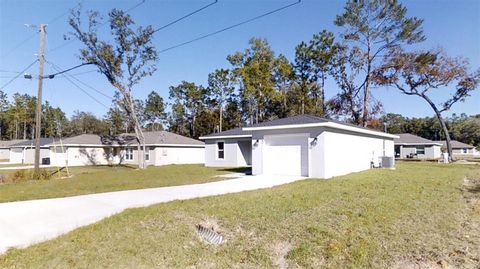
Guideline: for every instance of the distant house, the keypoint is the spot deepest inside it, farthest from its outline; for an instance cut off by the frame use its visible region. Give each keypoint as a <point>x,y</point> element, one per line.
<point>302,145</point>
<point>5,148</point>
<point>162,148</point>
<point>412,146</point>
<point>24,152</point>
<point>460,149</point>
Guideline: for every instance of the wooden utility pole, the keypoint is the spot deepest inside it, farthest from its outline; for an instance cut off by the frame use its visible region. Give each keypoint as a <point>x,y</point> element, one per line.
<point>38,114</point>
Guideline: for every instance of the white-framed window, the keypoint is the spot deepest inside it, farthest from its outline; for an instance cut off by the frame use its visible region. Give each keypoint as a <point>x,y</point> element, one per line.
<point>465,151</point>
<point>220,150</point>
<point>164,152</point>
<point>147,153</point>
<point>129,154</point>
<point>420,150</point>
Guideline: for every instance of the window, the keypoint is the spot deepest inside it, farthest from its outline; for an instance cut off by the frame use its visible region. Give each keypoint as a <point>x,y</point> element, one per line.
<point>465,151</point>
<point>147,153</point>
<point>420,150</point>
<point>129,154</point>
<point>221,150</point>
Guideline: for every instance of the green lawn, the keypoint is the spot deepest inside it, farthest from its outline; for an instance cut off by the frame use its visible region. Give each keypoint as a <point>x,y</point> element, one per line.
<point>421,214</point>
<point>94,179</point>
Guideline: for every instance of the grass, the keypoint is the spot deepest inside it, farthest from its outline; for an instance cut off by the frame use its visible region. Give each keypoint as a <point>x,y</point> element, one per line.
<point>95,179</point>
<point>418,214</point>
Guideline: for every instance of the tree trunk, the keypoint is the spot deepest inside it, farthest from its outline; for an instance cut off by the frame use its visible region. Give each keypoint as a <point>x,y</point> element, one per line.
<point>323,96</point>
<point>138,132</point>
<point>221,117</point>
<point>366,93</point>
<point>444,126</point>
<point>24,130</point>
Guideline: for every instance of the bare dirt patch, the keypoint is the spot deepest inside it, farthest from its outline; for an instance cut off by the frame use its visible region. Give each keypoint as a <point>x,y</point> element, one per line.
<point>279,253</point>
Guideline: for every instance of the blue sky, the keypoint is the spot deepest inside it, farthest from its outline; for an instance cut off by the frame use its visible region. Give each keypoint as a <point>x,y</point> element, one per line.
<point>452,25</point>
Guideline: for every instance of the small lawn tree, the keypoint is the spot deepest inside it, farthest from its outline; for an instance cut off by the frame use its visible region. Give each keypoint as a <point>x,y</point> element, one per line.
<point>124,59</point>
<point>418,73</point>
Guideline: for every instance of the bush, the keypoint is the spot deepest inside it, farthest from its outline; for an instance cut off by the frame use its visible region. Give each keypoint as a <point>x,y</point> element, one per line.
<point>24,175</point>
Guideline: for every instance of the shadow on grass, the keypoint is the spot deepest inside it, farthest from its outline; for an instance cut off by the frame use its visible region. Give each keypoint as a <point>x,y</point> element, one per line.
<point>246,170</point>
<point>474,189</point>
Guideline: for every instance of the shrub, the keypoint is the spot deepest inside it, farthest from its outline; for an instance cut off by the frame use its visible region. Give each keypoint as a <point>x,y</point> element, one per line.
<point>24,175</point>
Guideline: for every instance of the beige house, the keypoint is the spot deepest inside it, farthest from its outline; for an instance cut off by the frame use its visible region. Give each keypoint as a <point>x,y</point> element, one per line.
<point>162,148</point>
<point>460,149</point>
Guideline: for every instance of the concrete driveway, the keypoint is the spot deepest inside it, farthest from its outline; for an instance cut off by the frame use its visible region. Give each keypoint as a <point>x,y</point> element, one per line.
<point>28,222</point>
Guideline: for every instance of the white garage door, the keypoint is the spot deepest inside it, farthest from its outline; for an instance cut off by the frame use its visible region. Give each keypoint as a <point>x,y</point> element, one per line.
<point>286,155</point>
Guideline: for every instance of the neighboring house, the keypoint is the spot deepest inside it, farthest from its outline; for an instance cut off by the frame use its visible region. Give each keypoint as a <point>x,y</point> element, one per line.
<point>24,152</point>
<point>412,146</point>
<point>162,148</point>
<point>5,148</point>
<point>460,149</point>
<point>301,145</point>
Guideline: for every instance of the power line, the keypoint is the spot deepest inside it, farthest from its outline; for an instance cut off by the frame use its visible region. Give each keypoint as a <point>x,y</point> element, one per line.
<point>229,27</point>
<point>101,24</point>
<point>34,34</point>
<point>19,74</point>
<point>78,87</point>
<point>78,80</point>
<point>9,71</point>
<point>186,16</point>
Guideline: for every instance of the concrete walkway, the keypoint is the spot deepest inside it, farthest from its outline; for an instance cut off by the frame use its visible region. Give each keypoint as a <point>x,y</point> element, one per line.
<point>28,222</point>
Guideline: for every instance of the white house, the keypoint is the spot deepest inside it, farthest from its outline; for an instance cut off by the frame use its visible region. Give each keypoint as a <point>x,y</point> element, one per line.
<point>460,149</point>
<point>301,145</point>
<point>162,148</point>
<point>5,148</point>
<point>412,146</point>
<point>24,152</point>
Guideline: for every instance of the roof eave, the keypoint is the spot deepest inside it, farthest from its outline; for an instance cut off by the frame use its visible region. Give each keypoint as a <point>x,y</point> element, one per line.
<point>225,137</point>
<point>322,124</point>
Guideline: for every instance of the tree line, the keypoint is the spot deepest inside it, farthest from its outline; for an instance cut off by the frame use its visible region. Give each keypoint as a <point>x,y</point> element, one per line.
<point>463,128</point>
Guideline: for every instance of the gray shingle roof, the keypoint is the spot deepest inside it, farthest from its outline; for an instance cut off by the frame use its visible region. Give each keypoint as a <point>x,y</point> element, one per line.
<point>29,143</point>
<point>299,119</point>
<point>295,120</point>
<point>413,139</point>
<point>8,143</point>
<point>455,144</point>
<point>231,132</point>
<point>83,139</point>
<point>164,137</point>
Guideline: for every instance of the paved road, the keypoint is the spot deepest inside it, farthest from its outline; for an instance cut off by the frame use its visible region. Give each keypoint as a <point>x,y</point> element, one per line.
<point>28,222</point>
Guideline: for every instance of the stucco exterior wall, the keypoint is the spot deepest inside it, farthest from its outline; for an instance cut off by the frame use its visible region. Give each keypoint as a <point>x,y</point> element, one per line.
<point>4,154</point>
<point>29,155</point>
<point>334,152</point>
<point>16,155</point>
<point>431,151</point>
<point>351,152</point>
<point>80,156</point>
<point>178,155</point>
<point>233,155</point>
